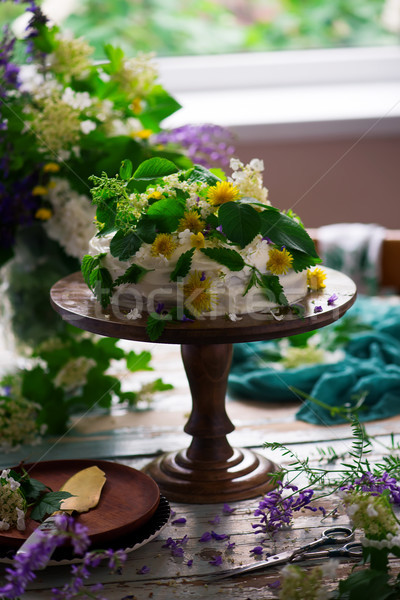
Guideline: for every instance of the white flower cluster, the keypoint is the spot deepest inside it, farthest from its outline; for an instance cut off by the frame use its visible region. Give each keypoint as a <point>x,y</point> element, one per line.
<point>371,513</point>
<point>71,57</point>
<point>137,75</point>
<point>74,373</point>
<point>72,223</point>
<point>248,179</point>
<point>12,503</point>
<point>18,422</point>
<point>389,542</point>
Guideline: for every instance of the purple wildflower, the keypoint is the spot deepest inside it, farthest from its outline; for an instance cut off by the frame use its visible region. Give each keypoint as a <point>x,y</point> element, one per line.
<point>318,309</point>
<point>189,562</point>
<point>176,546</point>
<point>219,536</point>
<point>215,521</point>
<point>257,550</point>
<point>230,545</point>
<point>206,145</point>
<point>332,299</point>
<point>228,510</point>
<point>179,521</point>
<point>206,537</point>
<point>143,570</point>
<point>376,484</point>
<point>216,561</point>
<point>276,508</point>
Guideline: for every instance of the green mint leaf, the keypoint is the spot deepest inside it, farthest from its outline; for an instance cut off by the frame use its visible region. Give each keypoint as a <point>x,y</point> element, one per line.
<point>159,386</point>
<point>272,289</point>
<point>200,173</point>
<point>101,283</point>
<point>125,244</point>
<point>252,281</point>
<point>284,231</point>
<point>303,261</point>
<point>32,489</point>
<point>154,168</point>
<point>166,213</point>
<point>87,266</point>
<point>146,230</point>
<point>125,171</point>
<point>183,265</point>
<point>105,214</point>
<point>155,325</point>
<point>133,274</point>
<point>225,256</point>
<point>240,222</point>
<point>139,362</point>
<point>48,504</point>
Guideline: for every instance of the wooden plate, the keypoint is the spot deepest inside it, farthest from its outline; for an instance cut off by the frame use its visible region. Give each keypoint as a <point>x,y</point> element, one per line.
<point>128,500</point>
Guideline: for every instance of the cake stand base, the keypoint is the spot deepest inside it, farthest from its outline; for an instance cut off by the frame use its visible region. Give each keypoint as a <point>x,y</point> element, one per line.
<point>245,475</point>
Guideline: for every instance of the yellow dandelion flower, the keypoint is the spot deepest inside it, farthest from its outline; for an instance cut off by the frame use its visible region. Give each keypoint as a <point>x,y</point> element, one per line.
<point>279,261</point>
<point>51,167</point>
<point>154,196</point>
<point>191,220</point>
<point>197,240</point>
<point>39,190</point>
<point>316,278</point>
<point>198,296</point>
<point>163,244</point>
<point>143,134</point>
<point>222,192</point>
<point>136,105</point>
<point>44,214</point>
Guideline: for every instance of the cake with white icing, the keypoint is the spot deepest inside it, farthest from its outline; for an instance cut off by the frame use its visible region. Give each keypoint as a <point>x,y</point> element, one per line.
<point>195,243</point>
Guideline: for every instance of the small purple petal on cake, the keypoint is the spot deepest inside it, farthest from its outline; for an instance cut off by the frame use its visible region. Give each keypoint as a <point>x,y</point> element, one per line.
<point>186,319</point>
<point>160,308</point>
<point>318,309</point>
<point>332,299</point>
<point>203,276</point>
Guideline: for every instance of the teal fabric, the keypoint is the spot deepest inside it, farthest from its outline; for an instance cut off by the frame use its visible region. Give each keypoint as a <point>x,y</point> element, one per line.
<point>370,367</point>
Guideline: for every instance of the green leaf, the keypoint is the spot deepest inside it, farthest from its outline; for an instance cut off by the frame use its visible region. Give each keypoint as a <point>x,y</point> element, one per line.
<point>133,274</point>
<point>159,105</point>
<point>48,504</point>
<point>139,362</point>
<point>32,488</point>
<point>303,261</point>
<point>284,231</point>
<point>183,265</point>
<point>146,230</point>
<point>153,168</point>
<point>272,289</point>
<point>125,244</point>
<point>155,325</point>
<point>240,222</point>
<point>200,173</point>
<point>252,281</point>
<point>160,386</point>
<point>125,171</point>
<point>225,256</point>
<point>166,214</point>
<point>101,283</point>
<point>88,264</point>
<point>105,214</point>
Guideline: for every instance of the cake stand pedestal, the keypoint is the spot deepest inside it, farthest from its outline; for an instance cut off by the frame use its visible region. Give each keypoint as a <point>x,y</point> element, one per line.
<point>209,470</point>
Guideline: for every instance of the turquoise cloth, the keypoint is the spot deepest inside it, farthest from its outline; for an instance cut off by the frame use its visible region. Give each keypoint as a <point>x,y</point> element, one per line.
<point>370,367</point>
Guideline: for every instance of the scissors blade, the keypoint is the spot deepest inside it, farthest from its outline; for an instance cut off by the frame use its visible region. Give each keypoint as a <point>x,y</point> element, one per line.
<point>271,561</point>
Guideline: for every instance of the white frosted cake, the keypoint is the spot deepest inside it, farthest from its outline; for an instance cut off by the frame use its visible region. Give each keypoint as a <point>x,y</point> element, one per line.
<point>195,243</point>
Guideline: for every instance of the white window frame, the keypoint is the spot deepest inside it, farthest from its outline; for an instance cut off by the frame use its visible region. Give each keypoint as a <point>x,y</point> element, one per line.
<point>291,94</point>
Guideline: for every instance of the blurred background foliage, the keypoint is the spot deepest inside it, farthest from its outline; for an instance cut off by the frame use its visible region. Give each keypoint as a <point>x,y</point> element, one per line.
<point>184,27</point>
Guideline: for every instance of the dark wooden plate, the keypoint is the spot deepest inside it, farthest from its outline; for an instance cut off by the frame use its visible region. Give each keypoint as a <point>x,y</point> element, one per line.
<point>128,500</point>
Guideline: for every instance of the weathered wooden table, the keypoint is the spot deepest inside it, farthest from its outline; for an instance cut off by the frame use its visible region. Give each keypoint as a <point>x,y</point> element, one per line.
<point>137,438</point>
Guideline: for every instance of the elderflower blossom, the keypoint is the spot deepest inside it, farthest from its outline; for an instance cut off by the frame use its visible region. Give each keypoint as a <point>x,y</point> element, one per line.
<point>18,422</point>
<point>12,503</point>
<point>248,178</point>
<point>298,584</point>
<point>371,513</point>
<point>137,75</point>
<point>72,223</point>
<point>71,57</point>
<point>74,373</point>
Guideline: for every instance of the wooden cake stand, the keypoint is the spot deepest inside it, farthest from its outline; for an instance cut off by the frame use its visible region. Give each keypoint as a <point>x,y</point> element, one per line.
<point>210,470</point>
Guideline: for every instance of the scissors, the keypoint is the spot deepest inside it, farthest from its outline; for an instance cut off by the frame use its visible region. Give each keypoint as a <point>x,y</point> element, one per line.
<point>332,535</point>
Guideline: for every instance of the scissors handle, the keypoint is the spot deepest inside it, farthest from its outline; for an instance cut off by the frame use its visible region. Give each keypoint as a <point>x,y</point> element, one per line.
<point>352,550</point>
